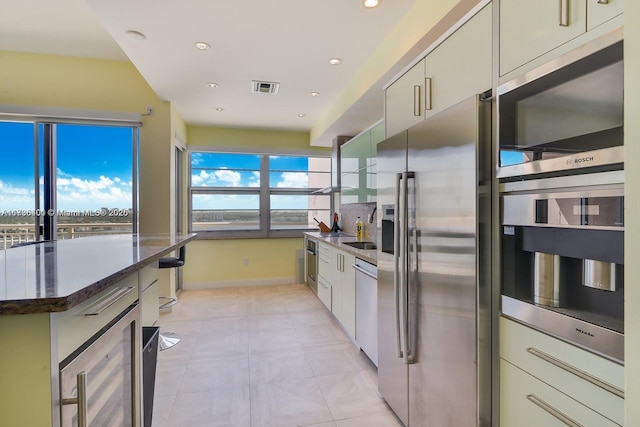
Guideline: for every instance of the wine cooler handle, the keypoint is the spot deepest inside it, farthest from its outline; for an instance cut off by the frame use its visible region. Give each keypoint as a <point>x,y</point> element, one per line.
<point>81,400</point>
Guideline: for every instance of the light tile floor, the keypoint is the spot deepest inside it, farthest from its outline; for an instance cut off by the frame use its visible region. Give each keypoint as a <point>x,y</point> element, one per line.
<point>261,357</point>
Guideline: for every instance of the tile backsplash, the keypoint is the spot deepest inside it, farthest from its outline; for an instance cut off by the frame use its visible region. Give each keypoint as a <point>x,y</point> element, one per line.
<point>349,214</point>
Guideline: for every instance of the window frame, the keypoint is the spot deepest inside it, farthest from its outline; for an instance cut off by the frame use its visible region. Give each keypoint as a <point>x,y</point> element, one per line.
<point>264,192</point>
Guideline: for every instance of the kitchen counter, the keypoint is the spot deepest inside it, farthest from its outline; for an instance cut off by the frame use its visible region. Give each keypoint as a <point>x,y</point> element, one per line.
<point>58,275</point>
<point>338,240</point>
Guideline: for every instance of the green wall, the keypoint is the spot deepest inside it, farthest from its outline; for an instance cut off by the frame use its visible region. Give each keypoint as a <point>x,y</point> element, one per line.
<point>221,262</point>
<point>93,84</point>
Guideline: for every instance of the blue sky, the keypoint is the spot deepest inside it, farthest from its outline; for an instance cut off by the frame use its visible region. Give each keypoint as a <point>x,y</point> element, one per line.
<point>94,167</point>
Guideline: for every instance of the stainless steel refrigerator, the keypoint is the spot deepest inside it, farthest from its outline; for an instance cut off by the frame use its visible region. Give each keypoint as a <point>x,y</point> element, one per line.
<point>434,220</point>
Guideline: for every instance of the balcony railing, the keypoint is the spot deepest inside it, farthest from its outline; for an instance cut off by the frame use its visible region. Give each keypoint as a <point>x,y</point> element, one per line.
<point>12,234</point>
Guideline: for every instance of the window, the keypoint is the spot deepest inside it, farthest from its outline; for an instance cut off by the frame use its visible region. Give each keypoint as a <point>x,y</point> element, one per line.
<point>257,195</point>
<point>66,180</point>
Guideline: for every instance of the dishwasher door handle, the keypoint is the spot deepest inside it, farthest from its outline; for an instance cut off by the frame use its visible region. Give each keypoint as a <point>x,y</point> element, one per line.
<point>361,270</point>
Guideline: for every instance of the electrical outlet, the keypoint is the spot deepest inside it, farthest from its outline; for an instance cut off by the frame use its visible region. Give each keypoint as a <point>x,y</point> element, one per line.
<point>245,261</point>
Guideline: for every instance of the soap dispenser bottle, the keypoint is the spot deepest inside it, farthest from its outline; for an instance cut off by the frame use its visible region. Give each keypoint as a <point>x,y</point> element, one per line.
<point>359,229</point>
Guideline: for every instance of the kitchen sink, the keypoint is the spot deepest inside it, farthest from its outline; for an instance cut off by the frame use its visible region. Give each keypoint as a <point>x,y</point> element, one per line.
<point>367,246</point>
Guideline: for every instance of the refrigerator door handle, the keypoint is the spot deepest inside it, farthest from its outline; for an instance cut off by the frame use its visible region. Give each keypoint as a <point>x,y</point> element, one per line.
<point>408,358</point>
<point>396,266</point>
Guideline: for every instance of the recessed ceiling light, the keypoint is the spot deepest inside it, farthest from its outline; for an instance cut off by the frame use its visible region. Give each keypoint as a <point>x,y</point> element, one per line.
<point>203,45</point>
<point>335,61</point>
<point>314,94</point>
<point>370,3</point>
<point>135,35</point>
<point>212,85</point>
<point>219,109</point>
<point>301,115</point>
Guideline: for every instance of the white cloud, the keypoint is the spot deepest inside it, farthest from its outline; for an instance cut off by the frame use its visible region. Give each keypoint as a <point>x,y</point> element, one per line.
<point>218,178</point>
<point>294,180</point>
<point>73,194</point>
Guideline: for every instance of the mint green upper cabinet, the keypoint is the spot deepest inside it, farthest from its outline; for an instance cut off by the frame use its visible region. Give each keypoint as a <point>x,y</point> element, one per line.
<point>461,66</point>
<point>377,136</point>
<point>355,152</point>
<point>358,166</point>
<point>602,11</point>
<point>530,28</point>
<point>404,100</point>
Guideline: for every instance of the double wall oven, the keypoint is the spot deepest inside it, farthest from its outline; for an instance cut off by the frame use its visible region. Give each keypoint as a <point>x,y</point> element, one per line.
<point>561,171</point>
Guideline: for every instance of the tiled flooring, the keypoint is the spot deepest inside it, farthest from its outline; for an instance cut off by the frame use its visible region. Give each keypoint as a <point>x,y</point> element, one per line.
<point>263,356</point>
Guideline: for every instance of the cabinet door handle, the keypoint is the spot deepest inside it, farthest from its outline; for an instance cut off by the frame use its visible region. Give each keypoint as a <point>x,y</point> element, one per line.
<point>416,101</point>
<point>603,1</point>
<point>81,400</point>
<point>576,371</point>
<point>428,94</point>
<point>553,411</point>
<point>563,13</point>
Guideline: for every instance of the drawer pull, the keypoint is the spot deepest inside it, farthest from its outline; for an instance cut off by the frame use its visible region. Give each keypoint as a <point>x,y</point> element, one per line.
<point>108,300</point>
<point>579,372</point>
<point>553,411</point>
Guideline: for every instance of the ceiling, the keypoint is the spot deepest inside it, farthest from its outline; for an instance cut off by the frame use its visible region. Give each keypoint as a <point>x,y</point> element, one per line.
<point>284,41</point>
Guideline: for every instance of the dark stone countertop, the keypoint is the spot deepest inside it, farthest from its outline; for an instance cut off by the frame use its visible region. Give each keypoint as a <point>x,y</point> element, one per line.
<point>57,275</point>
<point>338,240</point>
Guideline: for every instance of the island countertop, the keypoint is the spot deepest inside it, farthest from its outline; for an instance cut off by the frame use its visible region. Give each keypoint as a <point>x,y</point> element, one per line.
<point>57,275</point>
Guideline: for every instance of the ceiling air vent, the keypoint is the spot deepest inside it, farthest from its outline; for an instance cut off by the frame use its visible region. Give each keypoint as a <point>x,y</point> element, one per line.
<point>264,87</point>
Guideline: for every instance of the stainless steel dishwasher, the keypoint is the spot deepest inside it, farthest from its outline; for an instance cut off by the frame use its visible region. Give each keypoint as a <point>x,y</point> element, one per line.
<point>367,308</point>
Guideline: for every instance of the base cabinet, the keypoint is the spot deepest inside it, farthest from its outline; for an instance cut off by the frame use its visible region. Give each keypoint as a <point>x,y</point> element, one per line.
<point>544,376</point>
<point>337,285</point>
<point>346,312</point>
<point>324,292</point>
<point>525,401</point>
<point>37,348</point>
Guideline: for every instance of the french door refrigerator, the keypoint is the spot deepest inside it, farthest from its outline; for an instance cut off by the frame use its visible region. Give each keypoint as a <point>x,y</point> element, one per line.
<point>434,330</point>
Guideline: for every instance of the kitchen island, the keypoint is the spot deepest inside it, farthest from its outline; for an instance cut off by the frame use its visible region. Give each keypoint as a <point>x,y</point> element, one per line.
<point>57,299</point>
